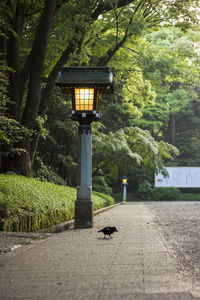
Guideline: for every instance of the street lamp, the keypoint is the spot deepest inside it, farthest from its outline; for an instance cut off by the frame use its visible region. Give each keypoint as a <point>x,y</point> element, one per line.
<point>124,184</point>
<point>85,84</point>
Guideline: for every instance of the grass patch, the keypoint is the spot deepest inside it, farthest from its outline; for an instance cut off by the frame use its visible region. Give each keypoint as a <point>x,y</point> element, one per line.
<point>27,204</point>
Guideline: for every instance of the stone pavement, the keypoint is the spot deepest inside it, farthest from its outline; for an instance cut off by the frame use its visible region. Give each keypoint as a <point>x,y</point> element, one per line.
<point>80,264</point>
<point>10,241</point>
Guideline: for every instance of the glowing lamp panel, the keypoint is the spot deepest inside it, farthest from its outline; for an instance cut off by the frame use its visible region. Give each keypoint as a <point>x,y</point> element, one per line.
<point>124,181</point>
<point>84,99</point>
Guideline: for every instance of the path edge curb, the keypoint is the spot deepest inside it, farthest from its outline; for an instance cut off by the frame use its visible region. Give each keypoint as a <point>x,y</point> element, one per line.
<point>68,224</point>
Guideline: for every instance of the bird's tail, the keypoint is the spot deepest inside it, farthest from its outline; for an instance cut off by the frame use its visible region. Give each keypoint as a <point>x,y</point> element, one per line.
<point>100,230</point>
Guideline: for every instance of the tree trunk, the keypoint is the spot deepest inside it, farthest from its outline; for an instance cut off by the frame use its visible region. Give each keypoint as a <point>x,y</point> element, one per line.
<point>35,65</point>
<point>171,129</point>
<point>34,87</point>
<point>2,47</point>
<point>12,56</point>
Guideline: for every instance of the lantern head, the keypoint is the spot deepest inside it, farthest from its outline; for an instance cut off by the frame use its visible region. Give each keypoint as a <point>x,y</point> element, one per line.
<point>85,84</point>
<point>124,180</point>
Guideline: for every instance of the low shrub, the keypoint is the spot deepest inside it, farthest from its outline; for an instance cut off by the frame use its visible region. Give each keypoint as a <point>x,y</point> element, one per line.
<point>101,200</point>
<point>190,197</point>
<point>30,205</point>
<point>158,194</point>
<point>145,191</point>
<point>100,185</point>
<point>166,194</point>
<point>45,173</point>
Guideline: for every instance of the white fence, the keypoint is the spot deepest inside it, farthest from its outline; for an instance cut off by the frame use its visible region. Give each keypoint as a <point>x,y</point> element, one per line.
<point>180,177</point>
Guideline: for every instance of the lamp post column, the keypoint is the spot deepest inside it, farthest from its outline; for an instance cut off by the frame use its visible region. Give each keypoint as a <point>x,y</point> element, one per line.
<point>84,204</point>
<point>124,192</point>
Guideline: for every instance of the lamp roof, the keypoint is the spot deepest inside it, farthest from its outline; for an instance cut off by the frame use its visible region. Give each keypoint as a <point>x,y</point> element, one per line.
<point>85,77</point>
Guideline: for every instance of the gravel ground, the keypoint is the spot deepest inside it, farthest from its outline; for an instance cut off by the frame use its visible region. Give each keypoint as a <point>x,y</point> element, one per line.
<point>179,224</point>
<point>10,241</point>
<point>140,261</point>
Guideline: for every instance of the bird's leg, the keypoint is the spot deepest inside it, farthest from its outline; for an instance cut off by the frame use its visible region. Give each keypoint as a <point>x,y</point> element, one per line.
<point>104,236</point>
<point>110,236</point>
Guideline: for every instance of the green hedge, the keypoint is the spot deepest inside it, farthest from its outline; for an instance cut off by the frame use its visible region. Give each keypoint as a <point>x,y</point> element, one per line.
<point>27,204</point>
<point>159,194</point>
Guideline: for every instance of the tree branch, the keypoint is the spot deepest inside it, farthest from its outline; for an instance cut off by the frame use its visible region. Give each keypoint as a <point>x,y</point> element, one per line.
<point>102,165</point>
<point>109,54</point>
<point>105,7</point>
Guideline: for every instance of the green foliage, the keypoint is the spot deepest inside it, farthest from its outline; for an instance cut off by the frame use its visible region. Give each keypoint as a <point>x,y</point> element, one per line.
<point>130,197</point>
<point>148,193</point>
<point>171,63</point>
<point>132,92</point>
<point>101,200</point>
<point>151,151</point>
<point>99,184</point>
<point>160,67</point>
<point>29,204</point>
<point>188,135</point>
<point>11,131</point>
<point>167,194</point>
<point>4,206</point>
<point>11,134</point>
<point>130,151</point>
<point>5,11</point>
<point>145,190</point>
<point>58,150</point>
<point>30,195</point>
<point>190,197</point>
<point>45,173</point>
<point>3,88</point>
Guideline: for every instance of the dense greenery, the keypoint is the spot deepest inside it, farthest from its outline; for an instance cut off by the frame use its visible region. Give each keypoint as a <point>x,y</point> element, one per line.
<point>29,204</point>
<point>172,65</point>
<point>153,115</point>
<point>148,193</point>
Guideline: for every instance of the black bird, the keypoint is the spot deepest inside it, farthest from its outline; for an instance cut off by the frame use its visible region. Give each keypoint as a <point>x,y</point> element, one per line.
<point>108,231</point>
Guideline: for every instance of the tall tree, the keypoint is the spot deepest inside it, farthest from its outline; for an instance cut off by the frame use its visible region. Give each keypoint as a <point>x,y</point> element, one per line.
<point>172,65</point>
<point>27,31</point>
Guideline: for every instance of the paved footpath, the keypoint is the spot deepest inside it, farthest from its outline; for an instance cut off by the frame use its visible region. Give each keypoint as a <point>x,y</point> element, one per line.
<point>80,264</point>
